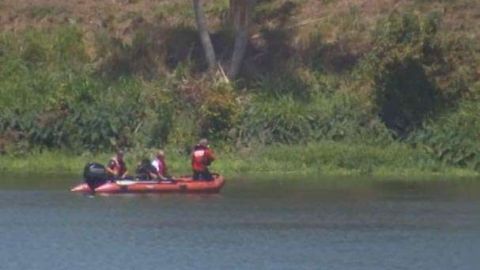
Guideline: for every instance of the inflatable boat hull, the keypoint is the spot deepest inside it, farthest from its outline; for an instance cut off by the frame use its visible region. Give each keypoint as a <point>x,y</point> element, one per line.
<point>184,184</point>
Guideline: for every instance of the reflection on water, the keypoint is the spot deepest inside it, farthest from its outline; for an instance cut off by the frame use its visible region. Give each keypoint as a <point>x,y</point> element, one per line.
<point>343,224</point>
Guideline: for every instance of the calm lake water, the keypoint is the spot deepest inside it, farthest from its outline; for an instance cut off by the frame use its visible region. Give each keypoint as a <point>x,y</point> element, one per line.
<point>324,224</point>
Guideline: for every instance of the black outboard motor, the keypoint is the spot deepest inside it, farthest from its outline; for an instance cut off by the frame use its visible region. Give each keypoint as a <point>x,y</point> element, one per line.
<point>94,174</point>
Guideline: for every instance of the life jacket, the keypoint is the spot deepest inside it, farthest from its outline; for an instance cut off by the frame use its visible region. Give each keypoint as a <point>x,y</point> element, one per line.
<point>119,166</point>
<point>201,158</point>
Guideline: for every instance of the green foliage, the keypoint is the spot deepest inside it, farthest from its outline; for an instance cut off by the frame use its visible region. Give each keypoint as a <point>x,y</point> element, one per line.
<point>281,120</point>
<point>219,112</point>
<point>325,87</point>
<point>414,71</point>
<point>284,84</point>
<point>209,106</point>
<point>349,158</point>
<point>402,66</point>
<point>324,117</point>
<point>51,99</point>
<point>454,137</point>
<point>102,123</point>
<point>324,158</point>
<point>39,66</point>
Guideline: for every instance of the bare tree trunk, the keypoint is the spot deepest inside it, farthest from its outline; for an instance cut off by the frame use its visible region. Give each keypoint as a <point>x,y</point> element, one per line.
<point>241,12</point>
<point>204,35</point>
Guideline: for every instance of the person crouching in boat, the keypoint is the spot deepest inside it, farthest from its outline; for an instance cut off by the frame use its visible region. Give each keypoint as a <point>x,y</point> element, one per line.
<point>146,171</point>
<point>202,157</point>
<point>116,167</point>
<point>160,166</point>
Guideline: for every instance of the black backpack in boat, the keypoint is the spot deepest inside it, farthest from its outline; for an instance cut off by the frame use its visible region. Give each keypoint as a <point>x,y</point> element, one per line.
<point>94,174</point>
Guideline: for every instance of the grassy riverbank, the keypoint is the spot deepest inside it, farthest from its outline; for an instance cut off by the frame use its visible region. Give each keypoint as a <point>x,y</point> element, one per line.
<point>321,159</point>
<point>367,87</point>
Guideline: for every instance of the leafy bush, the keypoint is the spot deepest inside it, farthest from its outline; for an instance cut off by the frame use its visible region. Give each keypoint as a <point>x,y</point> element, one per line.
<point>219,112</point>
<point>40,66</point>
<point>51,99</point>
<point>402,66</point>
<point>454,137</point>
<point>324,117</point>
<point>281,120</point>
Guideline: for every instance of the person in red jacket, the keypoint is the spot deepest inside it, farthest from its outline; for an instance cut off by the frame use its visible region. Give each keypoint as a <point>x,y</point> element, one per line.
<point>202,157</point>
<point>116,167</point>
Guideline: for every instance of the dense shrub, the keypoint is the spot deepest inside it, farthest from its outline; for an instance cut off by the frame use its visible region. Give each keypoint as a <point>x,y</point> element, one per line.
<point>205,107</point>
<point>219,111</point>
<point>454,137</point>
<point>51,99</point>
<point>403,64</point>
<point>280,120</point>
<point>323,117</point>
<point>147,86</point>
<point>101,124</point>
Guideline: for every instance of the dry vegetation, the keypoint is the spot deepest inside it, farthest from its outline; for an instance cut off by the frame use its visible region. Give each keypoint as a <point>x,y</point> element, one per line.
<point>336,19</point>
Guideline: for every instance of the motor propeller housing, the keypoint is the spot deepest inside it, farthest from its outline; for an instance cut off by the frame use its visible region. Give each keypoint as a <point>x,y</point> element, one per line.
<point>94,174</point>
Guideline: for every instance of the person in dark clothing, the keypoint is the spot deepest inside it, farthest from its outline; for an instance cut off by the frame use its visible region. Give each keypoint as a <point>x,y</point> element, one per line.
<point>145,171</point>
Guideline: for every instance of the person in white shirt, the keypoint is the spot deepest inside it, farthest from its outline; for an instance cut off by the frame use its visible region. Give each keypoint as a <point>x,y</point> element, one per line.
<point>160,165</point>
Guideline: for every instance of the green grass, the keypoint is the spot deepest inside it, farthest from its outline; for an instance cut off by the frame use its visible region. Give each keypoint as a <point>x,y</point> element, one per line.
<point>312,160</point>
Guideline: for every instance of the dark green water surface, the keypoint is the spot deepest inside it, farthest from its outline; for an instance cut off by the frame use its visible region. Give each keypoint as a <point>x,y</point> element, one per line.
<point>251,224</point>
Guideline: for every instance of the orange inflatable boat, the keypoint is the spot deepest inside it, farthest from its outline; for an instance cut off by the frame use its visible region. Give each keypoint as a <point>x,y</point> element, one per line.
<point>182,184</point>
